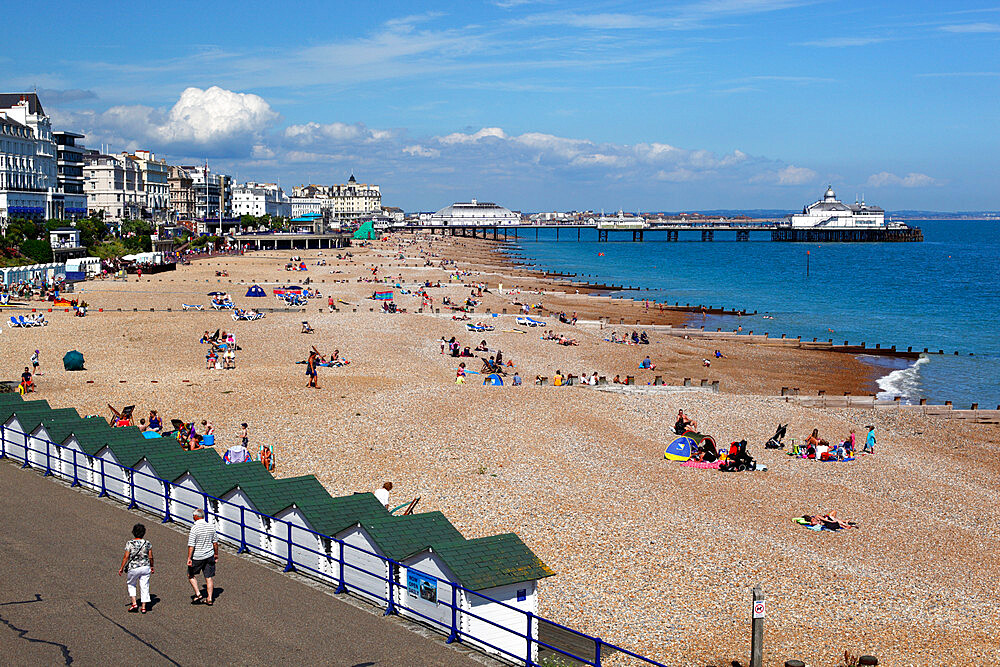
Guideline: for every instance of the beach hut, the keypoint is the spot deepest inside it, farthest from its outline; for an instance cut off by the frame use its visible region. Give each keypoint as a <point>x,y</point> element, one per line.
<point>256,291</point>
<point>500,574</point>
<point>369,541</point>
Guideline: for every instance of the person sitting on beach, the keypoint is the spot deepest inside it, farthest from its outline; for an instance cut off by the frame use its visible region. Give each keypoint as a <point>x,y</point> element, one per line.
<point>647,364</point>
<point>29,384</point>
<point>500,359</point>
<point>482,347</point>
<point>614,337</point>
<point>719,355</point>
<point>707,363</point>
<point>466,352</point>
<point>155,423</point>
<point>707,453</point>
<point>142,426</point>
<point>460,374</point>
<point>635,338</point>
<point>812,443</point>
<point>617,380</point>
<point>307,328</point>
<point>489,366</point>
<point>684,423</point>
<point>516,380</point>
<point>557,379</point>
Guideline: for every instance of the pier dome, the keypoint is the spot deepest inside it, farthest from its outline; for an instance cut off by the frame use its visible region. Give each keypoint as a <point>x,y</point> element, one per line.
<point>829,196</point>
<point>475,213</point>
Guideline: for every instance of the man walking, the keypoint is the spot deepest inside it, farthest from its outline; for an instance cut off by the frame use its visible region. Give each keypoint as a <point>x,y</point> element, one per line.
<point>203,552</point>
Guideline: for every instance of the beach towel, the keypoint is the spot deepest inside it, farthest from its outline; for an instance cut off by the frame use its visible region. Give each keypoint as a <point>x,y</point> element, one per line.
<point>383,296</point>
<point>703,465</point>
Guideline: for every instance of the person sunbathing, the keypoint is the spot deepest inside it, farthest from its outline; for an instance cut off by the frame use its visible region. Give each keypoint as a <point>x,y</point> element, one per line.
<point>567,341</point>
<point>829,521</point>
<point>482,347</point>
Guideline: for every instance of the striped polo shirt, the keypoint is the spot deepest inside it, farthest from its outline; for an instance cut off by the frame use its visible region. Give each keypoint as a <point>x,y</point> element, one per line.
<point>201,537</point>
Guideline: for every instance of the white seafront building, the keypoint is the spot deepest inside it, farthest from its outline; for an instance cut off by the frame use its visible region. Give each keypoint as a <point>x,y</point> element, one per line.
<point>831,213</point>
<point>28,176</point>
<point>260,199</point>
<point>474,213</point>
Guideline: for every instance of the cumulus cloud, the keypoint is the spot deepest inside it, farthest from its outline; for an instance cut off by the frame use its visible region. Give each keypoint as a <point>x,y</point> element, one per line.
<point>911,180</point>
<point>341,133</point>
<point>417,150</point>
<point>208,122</point>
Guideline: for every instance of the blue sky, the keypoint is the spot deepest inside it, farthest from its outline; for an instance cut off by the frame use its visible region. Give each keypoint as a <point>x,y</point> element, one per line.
<point>541,105</point>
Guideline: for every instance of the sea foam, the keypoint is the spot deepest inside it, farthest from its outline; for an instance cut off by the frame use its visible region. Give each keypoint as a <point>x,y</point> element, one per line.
<point>903,382</point>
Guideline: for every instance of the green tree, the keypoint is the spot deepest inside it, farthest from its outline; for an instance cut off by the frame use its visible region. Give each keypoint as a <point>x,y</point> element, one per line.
<point>110,249</point>
<point>38,250</point>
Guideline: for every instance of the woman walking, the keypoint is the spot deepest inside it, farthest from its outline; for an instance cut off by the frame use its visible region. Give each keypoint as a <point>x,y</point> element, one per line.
<point>138,563</point>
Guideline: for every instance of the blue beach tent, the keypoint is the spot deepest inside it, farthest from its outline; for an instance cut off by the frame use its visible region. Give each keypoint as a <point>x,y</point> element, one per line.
<point>493,379</point>
<point>679,449</point>
<point>256,290</point>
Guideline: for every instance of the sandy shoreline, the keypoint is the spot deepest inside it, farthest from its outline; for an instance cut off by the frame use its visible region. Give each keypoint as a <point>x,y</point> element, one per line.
<point>650,555</point>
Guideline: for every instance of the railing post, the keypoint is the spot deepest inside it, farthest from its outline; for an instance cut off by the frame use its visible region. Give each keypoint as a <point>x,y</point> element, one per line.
<point>341,585</point>
<point>48,460</point>
<point>289,566</point>
<point>3,442</point>
<point>27,450</point>
<point>131,487</point>
<point>76,473</point>
<point>104,490</point>
<point>243,531</point>
<point>391,607</point>
<point>598,643</point>
<point>454,614</point>
<point>528,662</point>
<point>166,502</point>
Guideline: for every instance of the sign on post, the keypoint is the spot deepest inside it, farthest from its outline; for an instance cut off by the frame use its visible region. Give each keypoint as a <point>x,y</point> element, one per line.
<point>758,609</point>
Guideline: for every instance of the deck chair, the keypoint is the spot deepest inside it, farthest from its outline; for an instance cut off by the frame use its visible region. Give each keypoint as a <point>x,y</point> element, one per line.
<point>409,505</point>
<point>12,322</point>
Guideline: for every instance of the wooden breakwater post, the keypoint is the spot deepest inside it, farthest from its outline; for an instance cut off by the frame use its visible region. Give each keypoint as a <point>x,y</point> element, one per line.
<point>757,628</point>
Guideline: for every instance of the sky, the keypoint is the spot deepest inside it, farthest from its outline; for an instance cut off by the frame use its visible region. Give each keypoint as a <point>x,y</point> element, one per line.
<point>540,104</point>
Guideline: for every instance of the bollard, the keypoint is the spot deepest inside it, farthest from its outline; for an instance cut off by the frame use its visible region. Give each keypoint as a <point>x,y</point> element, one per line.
<point>704,382</point>
<point>947,403</point>
<point>794,663</point>
<point>757,628</point>
<point>923,401</point>
<point>784,391</point>
<point>715,386</point>
<point>975,406</point>
<point>822,392</point>
<point>629,380</point>
<point>687,382</point>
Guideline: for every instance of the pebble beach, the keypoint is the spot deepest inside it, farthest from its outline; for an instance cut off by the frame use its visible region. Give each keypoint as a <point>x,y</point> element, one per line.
<point>654,557</point>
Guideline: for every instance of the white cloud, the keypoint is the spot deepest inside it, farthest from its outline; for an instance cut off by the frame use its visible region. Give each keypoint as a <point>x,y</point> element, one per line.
<point>460,138</point>
<point>792,175</point>
<point>214,115</point>
<point>310,133</point>
<point>416,150</point>
<point>911,180</point>
<point>972,28</point>
<point>839,42</point>
<point>207,122</point>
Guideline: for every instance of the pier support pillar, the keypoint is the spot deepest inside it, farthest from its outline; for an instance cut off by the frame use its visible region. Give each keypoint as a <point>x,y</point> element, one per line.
<point>707,235</point>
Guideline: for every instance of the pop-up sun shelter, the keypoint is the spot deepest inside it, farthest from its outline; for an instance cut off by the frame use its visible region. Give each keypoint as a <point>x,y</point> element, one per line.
<point>256,290</point>
<point>73,361</point>
<point>493,379</point>
<point>679,449</point>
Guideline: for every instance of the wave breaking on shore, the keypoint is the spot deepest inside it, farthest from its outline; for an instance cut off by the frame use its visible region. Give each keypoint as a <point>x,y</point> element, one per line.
<point>903,382</point>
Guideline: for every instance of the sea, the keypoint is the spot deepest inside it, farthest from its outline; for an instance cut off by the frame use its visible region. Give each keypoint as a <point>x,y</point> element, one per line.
<point>941,294</point>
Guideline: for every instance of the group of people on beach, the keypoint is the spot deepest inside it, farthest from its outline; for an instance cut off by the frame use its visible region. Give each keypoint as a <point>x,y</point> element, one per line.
<point>817,448</point>
<point>221,354</point>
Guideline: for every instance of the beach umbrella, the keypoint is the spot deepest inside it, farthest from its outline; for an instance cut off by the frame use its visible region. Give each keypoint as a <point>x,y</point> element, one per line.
<point>73,361</point>
<point>679,449</point>
<point>216,293</point>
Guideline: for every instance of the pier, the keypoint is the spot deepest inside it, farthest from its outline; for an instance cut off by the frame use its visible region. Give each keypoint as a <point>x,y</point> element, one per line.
<point>670,231</point>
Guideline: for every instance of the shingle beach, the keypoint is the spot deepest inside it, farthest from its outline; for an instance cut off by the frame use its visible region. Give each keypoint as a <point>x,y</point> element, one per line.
<point>649,555</point>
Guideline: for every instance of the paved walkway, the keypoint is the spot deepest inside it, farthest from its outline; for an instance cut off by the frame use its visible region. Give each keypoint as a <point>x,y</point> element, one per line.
<point>62,601</point>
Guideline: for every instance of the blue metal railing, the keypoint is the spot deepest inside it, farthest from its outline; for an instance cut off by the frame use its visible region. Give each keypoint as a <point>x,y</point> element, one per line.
<point>271,532</point>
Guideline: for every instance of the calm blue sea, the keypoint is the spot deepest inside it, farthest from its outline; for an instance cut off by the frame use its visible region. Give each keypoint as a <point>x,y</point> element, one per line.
<point>943,293</point>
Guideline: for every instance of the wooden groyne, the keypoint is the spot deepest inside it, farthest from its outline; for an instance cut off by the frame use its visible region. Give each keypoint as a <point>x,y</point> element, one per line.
<point>946,411</point>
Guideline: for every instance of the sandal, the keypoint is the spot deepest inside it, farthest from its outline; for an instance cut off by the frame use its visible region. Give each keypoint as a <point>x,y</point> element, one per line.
<point>198,599</point>
<point>143,610</point>
<point>132,608</point>
<point>209,603</point>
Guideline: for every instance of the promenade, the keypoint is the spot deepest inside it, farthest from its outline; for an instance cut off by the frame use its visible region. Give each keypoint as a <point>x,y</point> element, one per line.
<point>63,602</point>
